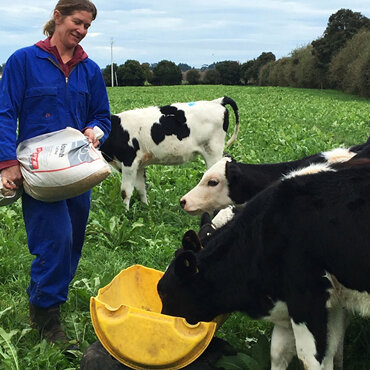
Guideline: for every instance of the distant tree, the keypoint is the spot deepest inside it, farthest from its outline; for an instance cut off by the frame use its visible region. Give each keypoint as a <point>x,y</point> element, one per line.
<point>278,72</point>
<point>264,76</point>
<point>229,72</point>
<point>184,67</point>
<point>2,67</point>
<point>250,69</point>
<point>349,69</point>
<point>107,74</point>
<point>266,57</point>
<point>364,88</point>
<point>208,66</point>
<point>166,73</point>
<point>147,72</point>
<point>341,27</point>
<point>193,76</point>
<point>130,74</point>
<point>211,77</point>
<point>298,70</point>
<point>304,68</point>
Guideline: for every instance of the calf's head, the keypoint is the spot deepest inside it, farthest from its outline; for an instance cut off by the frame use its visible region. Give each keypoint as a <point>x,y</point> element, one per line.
<point>183,289</point>
<point>212,192</point>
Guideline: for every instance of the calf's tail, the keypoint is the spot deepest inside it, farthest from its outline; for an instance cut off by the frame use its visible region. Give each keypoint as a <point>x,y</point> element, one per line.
<point>228,101</point>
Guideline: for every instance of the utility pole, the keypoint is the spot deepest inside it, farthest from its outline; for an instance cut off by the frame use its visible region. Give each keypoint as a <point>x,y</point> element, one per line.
<point>111,61</point>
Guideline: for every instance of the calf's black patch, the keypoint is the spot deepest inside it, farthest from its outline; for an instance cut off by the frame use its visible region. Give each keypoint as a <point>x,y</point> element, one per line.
<point>172,122</point>
<point>117,144</point>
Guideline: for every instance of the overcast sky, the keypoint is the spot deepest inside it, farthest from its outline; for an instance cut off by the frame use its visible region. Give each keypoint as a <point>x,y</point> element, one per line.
<point>195,32</point>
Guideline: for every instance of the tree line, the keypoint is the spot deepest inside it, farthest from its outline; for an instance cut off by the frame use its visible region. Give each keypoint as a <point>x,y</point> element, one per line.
<point>339,59</point>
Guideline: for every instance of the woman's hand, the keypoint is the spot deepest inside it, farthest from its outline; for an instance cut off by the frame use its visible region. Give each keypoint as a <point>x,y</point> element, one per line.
<point>11,177</point>
<point>89,133</point>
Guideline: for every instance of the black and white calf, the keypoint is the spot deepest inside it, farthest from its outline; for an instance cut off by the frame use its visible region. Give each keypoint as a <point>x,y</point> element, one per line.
<point>229,182</point>
<point>171,134</point>
<point>282,340</point>
<point>273,261</point>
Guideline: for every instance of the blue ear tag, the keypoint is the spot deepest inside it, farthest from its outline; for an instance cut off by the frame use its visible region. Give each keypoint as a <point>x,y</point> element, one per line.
<point>191,104</point>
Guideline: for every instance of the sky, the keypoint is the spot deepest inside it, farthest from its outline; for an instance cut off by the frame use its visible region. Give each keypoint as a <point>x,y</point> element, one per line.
<point>195,32</point>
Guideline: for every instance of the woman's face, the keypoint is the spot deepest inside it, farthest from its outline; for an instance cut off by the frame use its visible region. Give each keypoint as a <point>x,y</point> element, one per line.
<point>71,29</point>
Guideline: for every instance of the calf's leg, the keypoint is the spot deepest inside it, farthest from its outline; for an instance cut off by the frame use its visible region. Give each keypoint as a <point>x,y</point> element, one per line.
<point>337,324</point>
<point>140,184</point>
<point>338,357</point>
<point>127,186</point>
<point>305,345</point>
<point>282,347</point>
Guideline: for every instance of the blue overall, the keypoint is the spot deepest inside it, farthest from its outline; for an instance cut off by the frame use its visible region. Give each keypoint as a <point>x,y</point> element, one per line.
<point>34,90</point>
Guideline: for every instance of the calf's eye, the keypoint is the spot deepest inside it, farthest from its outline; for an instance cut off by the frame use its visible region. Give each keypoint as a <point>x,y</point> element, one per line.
<point>212,183</point>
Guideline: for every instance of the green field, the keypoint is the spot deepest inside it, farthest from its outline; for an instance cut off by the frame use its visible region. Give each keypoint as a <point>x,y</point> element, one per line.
<point>277,124</point>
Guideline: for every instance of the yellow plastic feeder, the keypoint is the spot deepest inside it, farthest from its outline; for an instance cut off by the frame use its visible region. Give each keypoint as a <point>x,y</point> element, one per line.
<point>127,320</point>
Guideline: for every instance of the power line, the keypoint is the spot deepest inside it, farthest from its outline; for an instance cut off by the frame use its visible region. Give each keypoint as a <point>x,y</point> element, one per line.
<point>111,61</point>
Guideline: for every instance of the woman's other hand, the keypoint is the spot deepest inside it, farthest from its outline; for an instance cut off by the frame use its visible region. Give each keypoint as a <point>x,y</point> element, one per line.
<point>11,177</point>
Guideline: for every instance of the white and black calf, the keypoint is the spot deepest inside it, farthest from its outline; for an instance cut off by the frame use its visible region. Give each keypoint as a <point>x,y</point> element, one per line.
<point>282,340</point>
<point>273,261</point>
<point>229,182</point>
<point>171,134</point>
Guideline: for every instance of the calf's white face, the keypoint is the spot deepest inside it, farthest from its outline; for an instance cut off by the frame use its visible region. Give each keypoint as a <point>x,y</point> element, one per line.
<point>212,192</point>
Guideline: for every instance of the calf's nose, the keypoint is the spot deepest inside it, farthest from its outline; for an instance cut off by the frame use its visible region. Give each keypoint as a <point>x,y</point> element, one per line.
<point>182,203</point>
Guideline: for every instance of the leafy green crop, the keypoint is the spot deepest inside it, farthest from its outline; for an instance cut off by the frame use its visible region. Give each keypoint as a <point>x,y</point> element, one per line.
<point>277,124</point>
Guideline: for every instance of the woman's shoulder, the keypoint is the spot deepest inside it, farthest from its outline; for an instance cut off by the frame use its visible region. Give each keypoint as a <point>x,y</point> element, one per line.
<point>92,67</point>
<point>24,52</point>
<point>91,63</point>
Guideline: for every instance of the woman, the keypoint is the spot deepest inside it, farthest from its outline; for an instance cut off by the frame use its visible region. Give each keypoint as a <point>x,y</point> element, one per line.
<point>47,87</point>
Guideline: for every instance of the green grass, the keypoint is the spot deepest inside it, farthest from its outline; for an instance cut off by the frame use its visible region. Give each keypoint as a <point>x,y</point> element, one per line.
<point>277,124</point>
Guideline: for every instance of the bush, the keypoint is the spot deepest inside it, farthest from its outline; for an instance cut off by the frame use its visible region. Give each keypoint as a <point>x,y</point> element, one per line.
<point>277,72</point>
<point>264,74</point>
<point>348,70</point>
<point>211,77</point>
<point>130,74</point>
<point>298,70</point>
<point>248,72</point>
<point>148,74</point>
<point>192,76</point>
<point>166,73</point>
<point>306,72</point>
<point>364,87</point>
<point>230,72</point>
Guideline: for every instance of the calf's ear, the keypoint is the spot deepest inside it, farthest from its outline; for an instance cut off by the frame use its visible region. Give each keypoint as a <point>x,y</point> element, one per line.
<point>186,265</point>
<point>232,172</point>
<point>205,219</point>
<point>191,242</point>
<point>227,155</point>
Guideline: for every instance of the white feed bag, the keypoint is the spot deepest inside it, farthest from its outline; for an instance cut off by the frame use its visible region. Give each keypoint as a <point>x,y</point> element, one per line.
<point>61,164</point>
<point>8,196</point>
